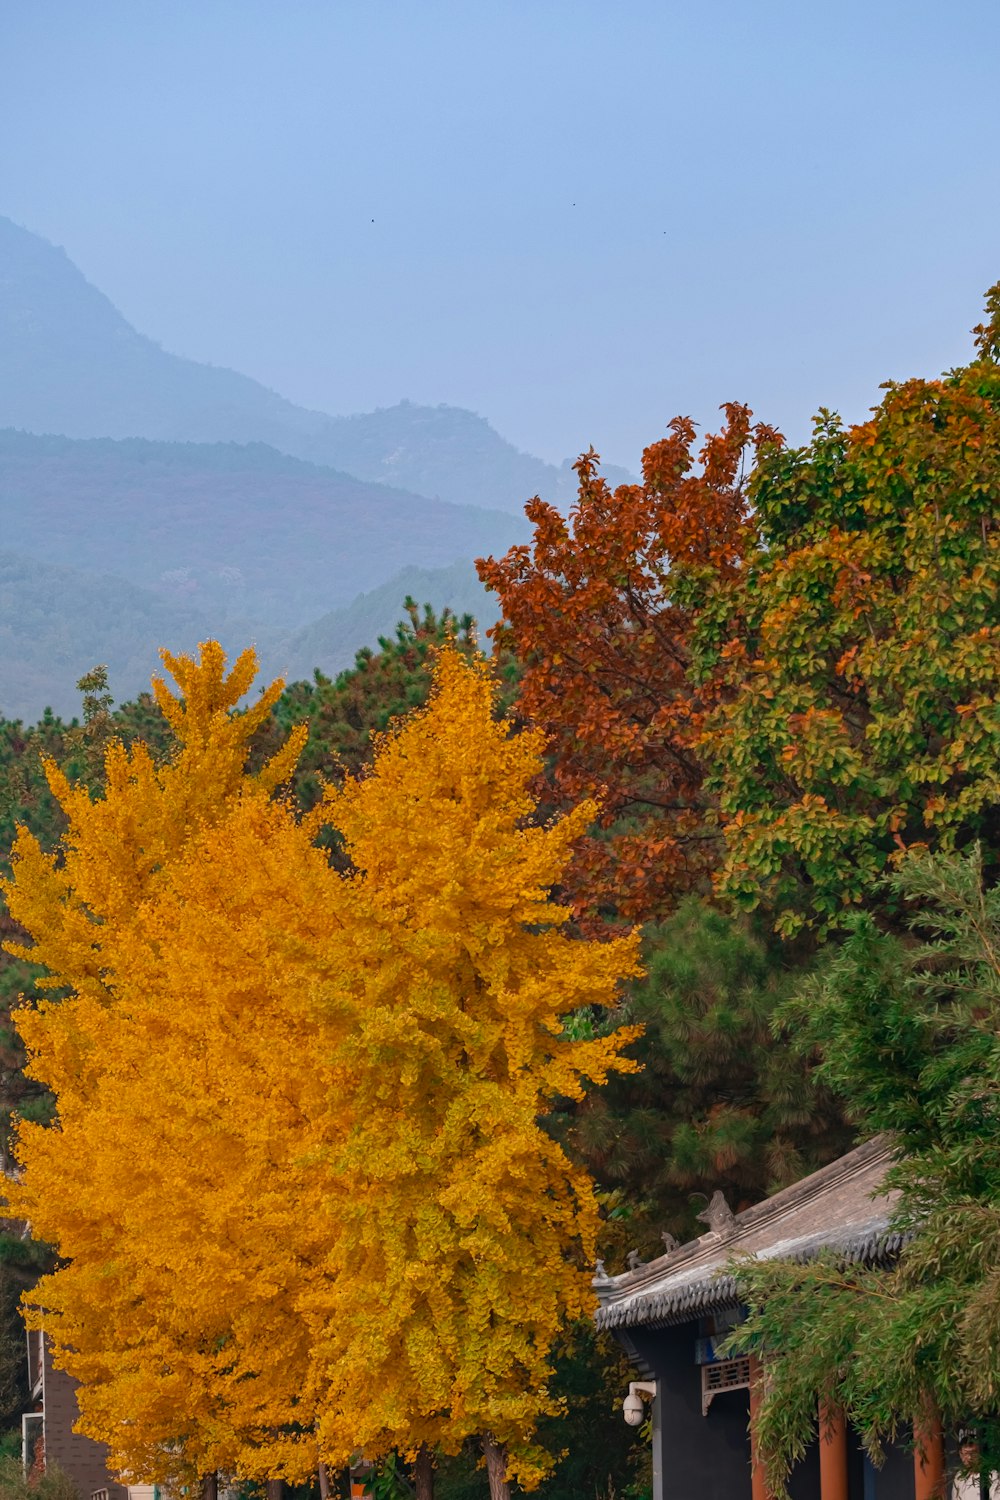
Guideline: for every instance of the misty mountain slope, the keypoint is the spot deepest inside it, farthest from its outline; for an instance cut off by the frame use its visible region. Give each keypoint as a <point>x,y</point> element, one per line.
<point>231,531</point>
<point>438,450</point>
<point>56,623</point>
<point>331,642</point>
<point>71,364</point>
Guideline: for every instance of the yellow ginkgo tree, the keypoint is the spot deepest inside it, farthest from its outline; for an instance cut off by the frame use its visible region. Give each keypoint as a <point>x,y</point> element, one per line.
<point>189,914</point>
<point>299,1174</point>
<point>461,1210</point>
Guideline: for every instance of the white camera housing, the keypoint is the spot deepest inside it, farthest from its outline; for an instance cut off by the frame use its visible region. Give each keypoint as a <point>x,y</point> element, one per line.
<point>632,1410</point>
<point>633,1407</point>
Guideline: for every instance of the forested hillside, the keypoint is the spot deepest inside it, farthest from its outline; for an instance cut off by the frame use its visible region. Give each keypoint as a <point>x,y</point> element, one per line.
<point>56,623</point>
<point>183,500</point>
<point>240,531</point>
<point>330,642</point>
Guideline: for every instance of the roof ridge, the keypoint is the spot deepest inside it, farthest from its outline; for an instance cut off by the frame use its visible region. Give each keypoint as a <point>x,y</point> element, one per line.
<point>748,1220</point>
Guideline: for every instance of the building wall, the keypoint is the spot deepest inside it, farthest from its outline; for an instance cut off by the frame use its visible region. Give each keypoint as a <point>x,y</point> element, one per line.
<point>708,1458</point>
<point>893,1481</point>
<point>80,1457</point>
<point>701,1458</point>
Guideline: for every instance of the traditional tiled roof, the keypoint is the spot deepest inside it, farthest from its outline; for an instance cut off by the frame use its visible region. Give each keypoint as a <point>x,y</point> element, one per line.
<point>841,1207</point>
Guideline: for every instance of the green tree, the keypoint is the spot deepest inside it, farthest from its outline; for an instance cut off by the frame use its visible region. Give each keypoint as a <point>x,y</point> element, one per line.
<point>909,1034</point>
<point>719,1102</point>
<point>775,680</point>
<point>857,657</point>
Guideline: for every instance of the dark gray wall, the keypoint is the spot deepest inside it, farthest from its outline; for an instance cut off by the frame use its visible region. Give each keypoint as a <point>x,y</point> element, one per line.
<point>894,1480</point>
<point>708,1458</point>
<point>703,1458</point>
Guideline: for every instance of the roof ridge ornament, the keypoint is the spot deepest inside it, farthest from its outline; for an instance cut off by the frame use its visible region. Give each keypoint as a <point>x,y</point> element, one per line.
<point>718,1215</point>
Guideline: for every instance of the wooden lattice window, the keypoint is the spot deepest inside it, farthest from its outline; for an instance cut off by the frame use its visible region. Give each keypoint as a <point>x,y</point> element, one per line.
<point>723,1375</point>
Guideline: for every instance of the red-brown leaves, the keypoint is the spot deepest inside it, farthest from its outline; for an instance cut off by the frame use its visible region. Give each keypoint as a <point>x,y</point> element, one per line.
<point>598,610</point>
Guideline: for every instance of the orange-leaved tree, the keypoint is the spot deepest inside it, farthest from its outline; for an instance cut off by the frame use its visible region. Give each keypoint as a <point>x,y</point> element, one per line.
<point>786,681</point>
<point>185,916</point>
<point>298,1172</point>
<point>596,610</point>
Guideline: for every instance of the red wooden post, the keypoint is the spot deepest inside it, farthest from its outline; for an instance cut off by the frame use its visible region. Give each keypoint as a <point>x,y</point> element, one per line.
<point>759,1489</point>
<point>832,1453</point>
<point>928,1455</point>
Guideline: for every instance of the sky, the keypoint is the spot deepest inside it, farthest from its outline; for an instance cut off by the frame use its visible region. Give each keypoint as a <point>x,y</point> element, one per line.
<point>576,218</point>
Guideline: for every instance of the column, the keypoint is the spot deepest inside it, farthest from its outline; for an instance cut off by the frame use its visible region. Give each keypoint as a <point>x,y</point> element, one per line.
<point>758,1482</point>
<point>928,1456</point>
<point>832,1453</point>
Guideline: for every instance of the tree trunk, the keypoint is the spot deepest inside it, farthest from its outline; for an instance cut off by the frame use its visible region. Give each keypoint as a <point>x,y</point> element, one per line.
<point>324,1481</point>
<point>210,1487</point>
<point>423,1473</point>
<point>275,1489</point>
<point>496,1467</point>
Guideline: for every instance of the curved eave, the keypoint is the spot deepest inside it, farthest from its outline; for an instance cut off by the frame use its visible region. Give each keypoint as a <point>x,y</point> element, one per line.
<point>660,1309</point>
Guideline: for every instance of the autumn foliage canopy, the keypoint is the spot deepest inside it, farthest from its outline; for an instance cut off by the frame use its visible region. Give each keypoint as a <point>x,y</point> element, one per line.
<point>592,610</point>
<point>301,1179</point>
<point>776,667</point>
<point>298,1177</point>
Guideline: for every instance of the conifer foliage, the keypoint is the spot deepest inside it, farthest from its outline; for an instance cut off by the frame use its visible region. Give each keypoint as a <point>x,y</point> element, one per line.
<point>909,1037</point>
<point>720,1101</point>
<point>297,1175</point>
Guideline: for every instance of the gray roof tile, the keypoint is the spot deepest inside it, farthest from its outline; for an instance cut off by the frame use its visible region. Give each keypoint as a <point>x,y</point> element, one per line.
<point>842,1206</point>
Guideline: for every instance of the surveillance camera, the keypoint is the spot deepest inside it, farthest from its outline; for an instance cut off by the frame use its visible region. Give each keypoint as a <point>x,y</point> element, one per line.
<point>633,1409</point>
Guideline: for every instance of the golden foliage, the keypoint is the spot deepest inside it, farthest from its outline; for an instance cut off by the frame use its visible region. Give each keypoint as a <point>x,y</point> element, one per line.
<point>460,1207</point>
<point>299,1174</point>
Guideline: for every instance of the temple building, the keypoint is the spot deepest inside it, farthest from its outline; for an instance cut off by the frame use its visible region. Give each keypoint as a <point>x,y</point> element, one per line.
<point>672,1314</point>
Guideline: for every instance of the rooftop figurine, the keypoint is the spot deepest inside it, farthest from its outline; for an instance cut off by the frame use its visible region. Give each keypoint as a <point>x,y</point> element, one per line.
<point>718,1215</point>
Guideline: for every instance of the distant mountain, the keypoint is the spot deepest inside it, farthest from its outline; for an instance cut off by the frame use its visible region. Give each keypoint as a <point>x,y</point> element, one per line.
<point>331,642</point>
<point>56,623</point>
<point>71,364</point>
<point>229,531</point>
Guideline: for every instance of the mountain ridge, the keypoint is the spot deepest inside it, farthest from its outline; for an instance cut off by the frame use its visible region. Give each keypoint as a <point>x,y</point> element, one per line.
<point>238,531</point>
<point>57,622</point>
<point>71,364</point>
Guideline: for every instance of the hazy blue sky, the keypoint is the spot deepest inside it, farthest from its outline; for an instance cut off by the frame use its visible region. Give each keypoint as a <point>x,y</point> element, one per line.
<point>587,216</point>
